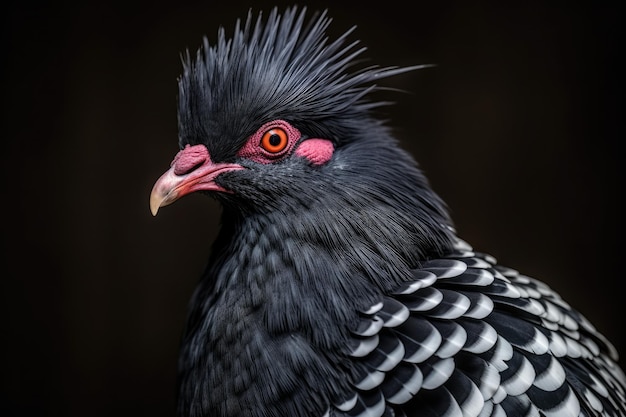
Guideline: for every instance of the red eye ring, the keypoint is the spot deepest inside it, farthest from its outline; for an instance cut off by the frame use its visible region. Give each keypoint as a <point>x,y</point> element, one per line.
<point>274,140</point>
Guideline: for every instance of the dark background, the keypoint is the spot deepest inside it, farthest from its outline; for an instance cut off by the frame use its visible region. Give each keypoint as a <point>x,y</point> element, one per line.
<point>517,128</point>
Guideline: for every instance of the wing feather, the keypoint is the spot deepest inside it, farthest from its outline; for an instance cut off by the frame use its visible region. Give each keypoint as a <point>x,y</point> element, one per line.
<point>469,337</point>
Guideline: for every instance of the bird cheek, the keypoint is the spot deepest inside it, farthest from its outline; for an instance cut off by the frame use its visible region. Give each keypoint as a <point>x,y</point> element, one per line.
<point>316,151</point>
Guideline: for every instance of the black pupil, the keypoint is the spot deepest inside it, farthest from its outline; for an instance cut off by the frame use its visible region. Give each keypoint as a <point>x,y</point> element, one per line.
<point>275,140</point>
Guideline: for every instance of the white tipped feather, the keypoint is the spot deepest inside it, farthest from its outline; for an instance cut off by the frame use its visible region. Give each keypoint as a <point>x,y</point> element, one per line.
<point>365,346</point>
<point>599,387</point>
<point>552,377</point>
<point>408,389</point>
<point>522,380</point>
<point>533,293</point>
<point>480,309</point>
<point>372,380</point>
<point>558,346</point>
<point>455,308</point>
<point>499,395</point>
<point>485,341</point>
<point>536,308</point>
<point>376,410</point>
<point>374,309</point>
<point>479,263</point>
<point>397,318</point>
<point>427,348</point>
<point>474,403</point>
<point>489,381</point>
<point>574,349</point>
<point>451,269</point>
<point>423,279</point>
<point>568,322</point>
<point>454,410</point>
<point>570,407</point>
<point>392,358</point>
<point>348,404</point>
<point>593,401</point>
<point>375,325</point>
<point>553,313</point>
<point>453,342</point>
<point>438,373</point>
<point>539,343</point>
<point>425,300</point>
<point>504,352</point>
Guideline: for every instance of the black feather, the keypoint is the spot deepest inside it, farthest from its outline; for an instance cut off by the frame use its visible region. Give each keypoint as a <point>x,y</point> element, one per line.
<point>279,67</point>
<point>340,288</point>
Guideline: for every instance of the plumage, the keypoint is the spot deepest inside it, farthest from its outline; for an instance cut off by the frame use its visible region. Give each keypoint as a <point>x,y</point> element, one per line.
<point>337,285</point>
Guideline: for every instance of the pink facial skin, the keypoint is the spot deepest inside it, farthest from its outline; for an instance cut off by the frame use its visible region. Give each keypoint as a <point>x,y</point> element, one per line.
<point>317,151</point>
<point>192,168</point>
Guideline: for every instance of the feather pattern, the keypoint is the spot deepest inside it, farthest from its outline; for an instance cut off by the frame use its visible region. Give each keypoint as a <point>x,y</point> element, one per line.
<point>503,363</point>
<point>337,285</point>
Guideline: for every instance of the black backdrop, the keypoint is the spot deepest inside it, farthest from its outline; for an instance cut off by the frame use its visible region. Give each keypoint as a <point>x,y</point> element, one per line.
<point>517,128</point>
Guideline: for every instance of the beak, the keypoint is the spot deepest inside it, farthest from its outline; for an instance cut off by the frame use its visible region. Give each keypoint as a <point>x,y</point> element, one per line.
<point>191,170</point>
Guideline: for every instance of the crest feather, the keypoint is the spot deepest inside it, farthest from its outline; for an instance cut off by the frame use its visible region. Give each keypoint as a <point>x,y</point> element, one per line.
<point>284,66</point>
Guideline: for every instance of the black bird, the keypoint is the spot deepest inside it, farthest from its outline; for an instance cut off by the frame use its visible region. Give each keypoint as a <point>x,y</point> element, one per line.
<point>337,285</point>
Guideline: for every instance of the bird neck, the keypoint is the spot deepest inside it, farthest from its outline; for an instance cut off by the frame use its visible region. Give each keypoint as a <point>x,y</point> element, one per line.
<point>348,244</point>
<point>299,273</point>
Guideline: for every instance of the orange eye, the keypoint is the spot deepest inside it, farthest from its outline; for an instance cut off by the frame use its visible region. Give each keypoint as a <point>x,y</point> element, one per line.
<point>274,140</point>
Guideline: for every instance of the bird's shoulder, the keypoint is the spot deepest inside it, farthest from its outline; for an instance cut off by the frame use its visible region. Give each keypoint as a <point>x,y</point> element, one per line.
<point>477,338</point>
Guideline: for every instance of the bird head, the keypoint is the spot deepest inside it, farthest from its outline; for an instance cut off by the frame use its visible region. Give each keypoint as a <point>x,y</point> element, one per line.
<point>279,117</point>
<point>274,101</point>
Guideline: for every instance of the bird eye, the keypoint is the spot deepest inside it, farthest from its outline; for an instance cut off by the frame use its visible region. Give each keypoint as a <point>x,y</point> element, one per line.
<point>274,140</point>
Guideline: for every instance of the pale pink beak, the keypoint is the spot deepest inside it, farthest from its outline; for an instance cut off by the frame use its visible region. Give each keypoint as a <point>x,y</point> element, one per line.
<point>191,170</point>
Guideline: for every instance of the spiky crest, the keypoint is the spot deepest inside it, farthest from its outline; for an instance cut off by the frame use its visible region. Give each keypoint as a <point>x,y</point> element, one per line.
<point>283,67</point>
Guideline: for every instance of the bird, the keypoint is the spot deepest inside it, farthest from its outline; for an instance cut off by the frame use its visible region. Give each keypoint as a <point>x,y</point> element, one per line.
<point>337,284</point>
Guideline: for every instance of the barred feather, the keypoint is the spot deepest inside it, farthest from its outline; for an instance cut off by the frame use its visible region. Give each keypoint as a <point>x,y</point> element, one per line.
<point>505,363</point>
<point>337,285</point>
